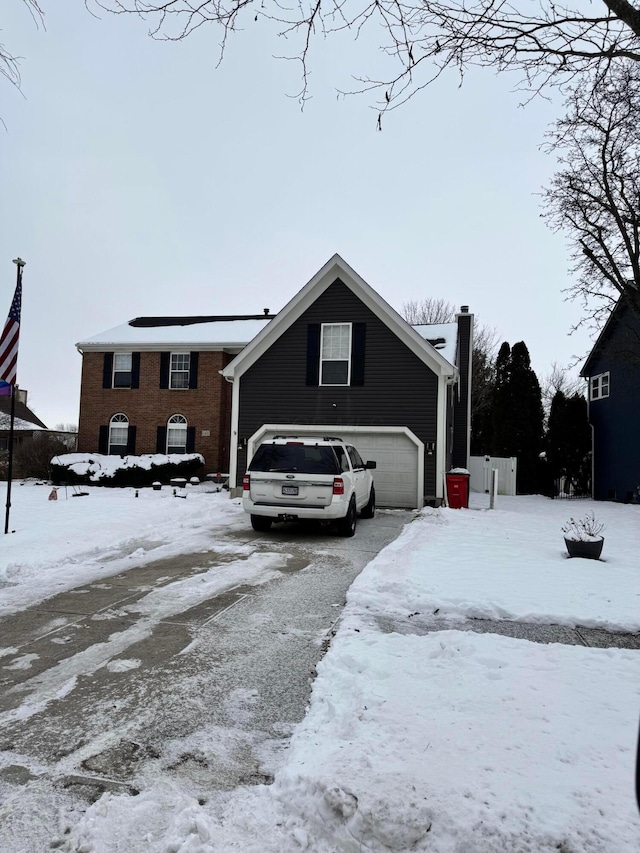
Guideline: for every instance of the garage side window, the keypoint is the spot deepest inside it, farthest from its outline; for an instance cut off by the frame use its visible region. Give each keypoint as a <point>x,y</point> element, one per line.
<point>335,354</point>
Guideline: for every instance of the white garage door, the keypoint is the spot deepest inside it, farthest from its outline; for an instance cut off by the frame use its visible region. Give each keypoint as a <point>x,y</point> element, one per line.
<point>396,476</point>
<point>396,451</point>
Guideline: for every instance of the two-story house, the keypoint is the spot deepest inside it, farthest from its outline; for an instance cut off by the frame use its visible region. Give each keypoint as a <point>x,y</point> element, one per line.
<point>336,360</point>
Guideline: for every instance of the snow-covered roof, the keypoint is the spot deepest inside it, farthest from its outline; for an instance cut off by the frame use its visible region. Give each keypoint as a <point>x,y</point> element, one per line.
<point>231,335</point>
<point>443,336</point>
<point>218,334</point>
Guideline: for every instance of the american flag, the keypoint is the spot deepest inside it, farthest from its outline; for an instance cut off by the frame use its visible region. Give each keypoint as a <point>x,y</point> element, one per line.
<point>9,344</point>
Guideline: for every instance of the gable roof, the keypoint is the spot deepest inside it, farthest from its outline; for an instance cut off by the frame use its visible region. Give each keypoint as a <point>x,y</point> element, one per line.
<point>616,316</point>
<point>337,267</point>
<point>24,417</point>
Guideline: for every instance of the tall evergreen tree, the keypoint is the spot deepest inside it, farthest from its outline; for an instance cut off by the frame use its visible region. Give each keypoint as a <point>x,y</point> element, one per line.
<point>502,403</point>
<point>518,416</point>
<point>568,441</point>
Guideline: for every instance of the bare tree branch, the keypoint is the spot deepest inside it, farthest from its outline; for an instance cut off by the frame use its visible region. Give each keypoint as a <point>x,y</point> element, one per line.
<point>10,64</point>
<point>549,44</point>
<point>595,195</point>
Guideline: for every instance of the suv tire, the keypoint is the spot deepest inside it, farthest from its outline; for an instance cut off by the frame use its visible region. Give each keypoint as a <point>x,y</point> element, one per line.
<point>347,525</point>
<point>369,510</point>
<point>260,523</point>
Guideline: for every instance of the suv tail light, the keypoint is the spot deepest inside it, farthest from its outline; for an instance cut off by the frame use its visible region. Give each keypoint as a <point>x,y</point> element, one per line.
<point>338,486</point>
<point>246,483</point>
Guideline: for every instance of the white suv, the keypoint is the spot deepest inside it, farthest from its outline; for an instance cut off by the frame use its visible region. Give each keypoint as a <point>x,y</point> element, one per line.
<point>291,478</point>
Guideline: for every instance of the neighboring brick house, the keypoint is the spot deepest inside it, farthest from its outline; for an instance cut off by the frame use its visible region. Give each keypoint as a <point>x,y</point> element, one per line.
<point>153,386</point>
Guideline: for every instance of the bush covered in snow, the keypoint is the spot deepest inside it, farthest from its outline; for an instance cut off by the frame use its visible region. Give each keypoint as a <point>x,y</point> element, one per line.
<point>97,469</point>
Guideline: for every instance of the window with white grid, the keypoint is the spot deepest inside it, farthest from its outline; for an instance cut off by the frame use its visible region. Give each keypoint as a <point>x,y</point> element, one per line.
<point>177,434</point>
<point>179,370</point>
<point>335,354</point>
<point>118,434</point>
<point>122,364</point>
<point>600,386</point>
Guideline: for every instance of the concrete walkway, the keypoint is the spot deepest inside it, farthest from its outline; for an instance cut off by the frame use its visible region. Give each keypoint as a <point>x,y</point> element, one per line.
<point>418,623</point>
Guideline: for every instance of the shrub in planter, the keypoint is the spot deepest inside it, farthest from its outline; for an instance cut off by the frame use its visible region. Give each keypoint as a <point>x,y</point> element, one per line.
<point>99,470</point>
<point>583,536</point>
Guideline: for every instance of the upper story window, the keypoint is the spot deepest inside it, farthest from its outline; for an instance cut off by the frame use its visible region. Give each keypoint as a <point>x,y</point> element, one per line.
<point>335,354</point>
<point>177,434</point>
<point>122,368</point>
<point>118,435</point>
<point>599,386</point>
<point>179,370</point>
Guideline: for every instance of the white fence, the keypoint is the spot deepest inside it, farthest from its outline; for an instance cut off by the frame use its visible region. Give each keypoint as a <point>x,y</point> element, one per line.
<point>480,468</point>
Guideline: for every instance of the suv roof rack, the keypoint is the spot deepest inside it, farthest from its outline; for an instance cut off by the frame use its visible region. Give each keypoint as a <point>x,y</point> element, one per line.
<point>307,437</point>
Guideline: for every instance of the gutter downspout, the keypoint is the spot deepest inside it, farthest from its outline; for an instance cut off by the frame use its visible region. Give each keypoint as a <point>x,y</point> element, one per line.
<point>233,444</point>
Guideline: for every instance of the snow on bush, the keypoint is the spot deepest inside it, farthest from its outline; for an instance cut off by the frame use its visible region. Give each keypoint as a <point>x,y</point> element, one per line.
<point>96,468</point>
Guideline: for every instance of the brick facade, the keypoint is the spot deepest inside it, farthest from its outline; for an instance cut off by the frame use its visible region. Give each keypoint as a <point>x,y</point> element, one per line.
<point>207,408</point>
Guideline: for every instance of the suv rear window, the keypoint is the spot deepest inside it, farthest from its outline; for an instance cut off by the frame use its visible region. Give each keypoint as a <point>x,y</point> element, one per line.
<point>295,458</point>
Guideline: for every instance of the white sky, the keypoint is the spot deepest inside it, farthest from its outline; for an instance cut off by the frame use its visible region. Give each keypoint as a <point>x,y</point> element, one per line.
<point>137,179</point>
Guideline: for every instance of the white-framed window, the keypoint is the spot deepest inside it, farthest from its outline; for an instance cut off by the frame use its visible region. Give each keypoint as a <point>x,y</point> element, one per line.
<point>335,354</point>
<point>599,386</point>
<point>122,367</point>
<point>177,434</point>
<point>118,435</point>
<point>179,370</point>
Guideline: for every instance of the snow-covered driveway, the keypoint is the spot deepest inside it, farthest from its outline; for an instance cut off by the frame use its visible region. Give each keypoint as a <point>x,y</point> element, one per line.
<point>171,642</point>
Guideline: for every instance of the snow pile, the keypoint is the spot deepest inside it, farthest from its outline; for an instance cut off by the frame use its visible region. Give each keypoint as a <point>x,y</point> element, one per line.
<point>102,467</point>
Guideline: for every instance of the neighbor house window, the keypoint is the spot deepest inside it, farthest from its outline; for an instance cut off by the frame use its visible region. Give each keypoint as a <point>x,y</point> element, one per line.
<point>335,354</point>
<point>122,365</point>
<point>118,435</point>
<point>179,370</point>
<point>600,386</point>
<point>177,434</point>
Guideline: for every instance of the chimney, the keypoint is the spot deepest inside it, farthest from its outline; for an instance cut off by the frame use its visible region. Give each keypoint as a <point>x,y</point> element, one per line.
<point>464,309</point>
<point>266,312</point>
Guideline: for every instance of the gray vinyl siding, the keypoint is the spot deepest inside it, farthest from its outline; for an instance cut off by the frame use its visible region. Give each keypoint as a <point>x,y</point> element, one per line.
<point>398,390</point>
<point>616,419</point>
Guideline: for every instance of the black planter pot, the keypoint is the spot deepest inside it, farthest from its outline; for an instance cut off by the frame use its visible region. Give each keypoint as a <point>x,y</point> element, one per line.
<point>588,550</point>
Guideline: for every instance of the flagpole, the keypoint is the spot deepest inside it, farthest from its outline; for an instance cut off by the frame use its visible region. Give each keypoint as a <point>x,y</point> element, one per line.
<point>19,264</point>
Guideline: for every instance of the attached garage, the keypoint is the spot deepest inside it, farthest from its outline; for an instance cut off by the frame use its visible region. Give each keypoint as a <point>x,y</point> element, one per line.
<point>398,452</point>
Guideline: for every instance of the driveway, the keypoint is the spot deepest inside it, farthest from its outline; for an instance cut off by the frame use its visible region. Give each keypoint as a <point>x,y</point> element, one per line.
<point>192,669</point>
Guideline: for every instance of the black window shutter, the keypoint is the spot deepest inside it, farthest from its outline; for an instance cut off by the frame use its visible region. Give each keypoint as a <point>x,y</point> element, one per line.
<point>107,370</point>
<point>193,370</point>
<point>191,439</point>
<point>103,440</point>
<point>313,354</point>
<point>135,369</point>
<point>131,440</point>
<point>164,370</point>
<point>358,339</point>
<point>161,440</point>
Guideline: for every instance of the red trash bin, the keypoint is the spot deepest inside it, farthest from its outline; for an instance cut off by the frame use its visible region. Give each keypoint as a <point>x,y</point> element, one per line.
<point>458,491</point>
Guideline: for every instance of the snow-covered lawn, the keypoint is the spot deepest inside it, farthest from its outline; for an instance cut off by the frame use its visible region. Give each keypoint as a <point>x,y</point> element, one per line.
<point>57,545</point>
<point>447,742</point>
